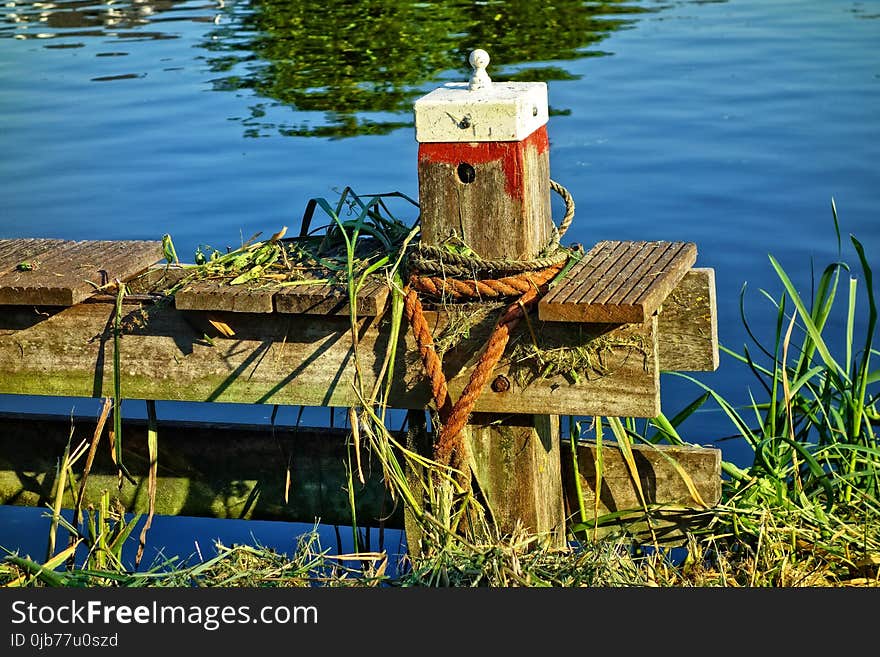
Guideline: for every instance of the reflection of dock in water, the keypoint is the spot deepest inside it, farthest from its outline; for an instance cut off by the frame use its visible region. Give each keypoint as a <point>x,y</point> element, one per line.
<point>82,19</point>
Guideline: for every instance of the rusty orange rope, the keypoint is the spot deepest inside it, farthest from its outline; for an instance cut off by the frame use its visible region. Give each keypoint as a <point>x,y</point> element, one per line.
<point>453,417</point>
<point>413,308</point>
<point>474,288</point>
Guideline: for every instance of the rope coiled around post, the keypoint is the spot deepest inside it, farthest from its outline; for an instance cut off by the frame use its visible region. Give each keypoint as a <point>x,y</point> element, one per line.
<point>440,261</point>
<point>440,273</point>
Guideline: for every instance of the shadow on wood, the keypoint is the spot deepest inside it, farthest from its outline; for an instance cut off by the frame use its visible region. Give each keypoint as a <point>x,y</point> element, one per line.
<point>239,471</point>
<point>663,485</point>
<point>209,470</point>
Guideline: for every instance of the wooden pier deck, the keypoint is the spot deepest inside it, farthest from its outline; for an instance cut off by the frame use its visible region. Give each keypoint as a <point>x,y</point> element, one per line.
<point>641,307</point>
<point>619,282</point>
<point>54,336</point>
<point>595,345</point>
<point>53,272</point>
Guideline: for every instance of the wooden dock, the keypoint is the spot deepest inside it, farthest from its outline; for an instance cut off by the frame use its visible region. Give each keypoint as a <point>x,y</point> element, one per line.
<point>239,471</point>
<point>594,346</point>
<point>293,346</point>
<point>51,272</point>
<point>173,353</point>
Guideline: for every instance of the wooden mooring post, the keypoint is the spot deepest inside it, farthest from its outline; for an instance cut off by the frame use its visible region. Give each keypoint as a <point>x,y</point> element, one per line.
<point>629,309</point>
<point>484,183</point>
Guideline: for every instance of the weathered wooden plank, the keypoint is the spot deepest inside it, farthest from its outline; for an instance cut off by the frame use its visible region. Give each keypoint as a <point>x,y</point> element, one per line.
<point>624,254</point>
<point>419,441</point>
<point>16,251</point>
<point>308,360</point>
<point>224,470</point>
<point>687,324</point>
<point>618,282</point>
<point>654,282</point>
<point>219,295</point>
<point>616,365</point>
<point>506,450</point>
<point>158,279</point>
<point>661,483</point>
<point>640,256</point>
<point>583,275</point>
<point>67,354</point>
<point>329,299</point>
<point>305,299</point>
<point>205,469</point>
<point>72,271</point>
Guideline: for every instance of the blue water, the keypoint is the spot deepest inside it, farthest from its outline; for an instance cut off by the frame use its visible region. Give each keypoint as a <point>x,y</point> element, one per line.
<point>729,124</point>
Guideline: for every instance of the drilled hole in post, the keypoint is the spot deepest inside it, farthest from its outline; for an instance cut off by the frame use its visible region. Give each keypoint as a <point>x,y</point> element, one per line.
<point>466,173</point>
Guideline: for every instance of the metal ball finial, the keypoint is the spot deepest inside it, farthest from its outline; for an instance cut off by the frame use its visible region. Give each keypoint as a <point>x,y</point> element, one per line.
<point>479,60</point>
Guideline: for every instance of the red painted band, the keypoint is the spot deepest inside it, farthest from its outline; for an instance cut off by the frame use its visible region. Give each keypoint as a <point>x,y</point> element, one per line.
<point>509,153</point>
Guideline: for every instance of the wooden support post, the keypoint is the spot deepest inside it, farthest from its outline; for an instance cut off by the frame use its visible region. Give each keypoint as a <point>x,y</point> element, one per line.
<point>484,179</point>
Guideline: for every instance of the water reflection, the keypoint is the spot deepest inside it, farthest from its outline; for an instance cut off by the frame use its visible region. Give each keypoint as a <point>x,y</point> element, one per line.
<point>338,69</point>
<point>364,63</point>
<point>86,18</point>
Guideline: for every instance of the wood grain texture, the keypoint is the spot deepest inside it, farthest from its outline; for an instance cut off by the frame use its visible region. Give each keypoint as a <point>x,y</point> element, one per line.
<point>306,299</point>
<point>332,299</point>
<point>15,251</point>
<point>618,282</point>
<point>504,212</point>
<point>219,295</point>
<point>512,449</point>
<point>169,354</point>
<point>687,324</point>
<point>69,353</point>
<point>71,271</point>
<point>661,483</point>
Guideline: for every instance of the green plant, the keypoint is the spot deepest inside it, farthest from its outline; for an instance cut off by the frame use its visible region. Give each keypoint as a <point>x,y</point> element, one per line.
<point>816,463</point>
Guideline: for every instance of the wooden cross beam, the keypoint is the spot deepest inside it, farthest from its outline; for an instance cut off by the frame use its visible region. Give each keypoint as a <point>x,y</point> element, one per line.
<point>273,358</point>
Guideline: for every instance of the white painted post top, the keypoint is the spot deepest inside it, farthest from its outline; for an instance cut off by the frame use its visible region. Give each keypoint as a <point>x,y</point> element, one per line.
<point>481,109</point>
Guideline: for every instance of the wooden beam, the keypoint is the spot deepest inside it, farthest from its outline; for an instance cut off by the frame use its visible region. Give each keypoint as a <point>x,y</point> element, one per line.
<point>64,274</point>
<point>226,470</point>
<point>260,297</point>
<point>511,449</point>
<point>663,484</point>
<point>167,354</point>
<point>687,325</point>
<point>495,195</point>
<point>214,295</point>
<point>503,211</point>
<point>302,360</point>
<point>332,299</point>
